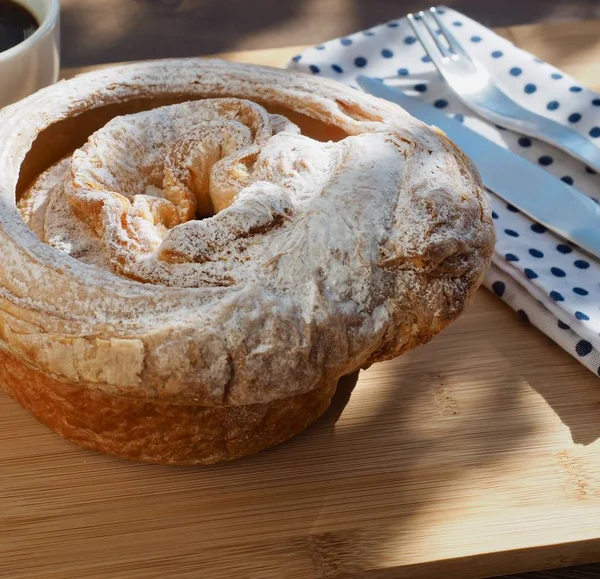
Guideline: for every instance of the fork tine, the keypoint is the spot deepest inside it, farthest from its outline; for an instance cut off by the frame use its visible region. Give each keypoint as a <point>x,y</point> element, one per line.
<point>441,46</point>
<point>425,39</point>
<point>453,43</point>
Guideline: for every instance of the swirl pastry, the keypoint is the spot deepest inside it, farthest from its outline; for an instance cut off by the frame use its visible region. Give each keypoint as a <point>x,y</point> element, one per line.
<point>194,252</point>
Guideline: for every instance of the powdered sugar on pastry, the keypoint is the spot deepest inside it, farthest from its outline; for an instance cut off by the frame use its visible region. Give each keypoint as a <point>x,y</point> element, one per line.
<point>271,261</point>
<point>285,201</point>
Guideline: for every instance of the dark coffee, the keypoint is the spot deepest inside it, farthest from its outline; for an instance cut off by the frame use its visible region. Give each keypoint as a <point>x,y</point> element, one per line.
<point>16,24</point>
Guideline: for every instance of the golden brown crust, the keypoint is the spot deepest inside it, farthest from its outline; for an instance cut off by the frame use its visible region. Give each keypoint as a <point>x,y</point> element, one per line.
<point>159,432</point>
<point>394,247</point>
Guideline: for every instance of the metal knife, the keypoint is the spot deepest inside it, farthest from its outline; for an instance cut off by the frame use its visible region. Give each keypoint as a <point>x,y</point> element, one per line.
<point>535,192</point>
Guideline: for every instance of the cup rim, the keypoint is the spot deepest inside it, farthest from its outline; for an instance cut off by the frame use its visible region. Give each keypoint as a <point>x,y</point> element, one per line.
<point>42,30</point>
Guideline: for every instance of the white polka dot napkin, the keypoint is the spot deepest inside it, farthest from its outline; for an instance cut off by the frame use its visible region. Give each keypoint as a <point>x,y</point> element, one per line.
<point>548,280</point>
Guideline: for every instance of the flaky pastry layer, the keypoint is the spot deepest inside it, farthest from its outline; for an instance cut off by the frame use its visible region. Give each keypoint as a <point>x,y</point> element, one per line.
<point>323,256</point>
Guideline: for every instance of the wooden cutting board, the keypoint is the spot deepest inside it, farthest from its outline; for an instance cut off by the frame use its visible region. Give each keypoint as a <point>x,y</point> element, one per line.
<point>476,455</point>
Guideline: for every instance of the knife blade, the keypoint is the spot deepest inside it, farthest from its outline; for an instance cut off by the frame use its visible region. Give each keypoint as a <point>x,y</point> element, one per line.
<point>537,193</point>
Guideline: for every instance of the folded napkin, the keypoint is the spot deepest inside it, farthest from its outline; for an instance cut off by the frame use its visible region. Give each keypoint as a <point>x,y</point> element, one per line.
<point>549,281</point>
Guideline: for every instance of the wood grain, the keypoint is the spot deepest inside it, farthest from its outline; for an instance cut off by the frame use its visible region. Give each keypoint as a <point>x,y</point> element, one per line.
<point>472,456</point>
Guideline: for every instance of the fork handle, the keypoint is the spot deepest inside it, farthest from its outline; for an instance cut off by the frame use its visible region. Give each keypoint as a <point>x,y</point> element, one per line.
<point>551,132</point>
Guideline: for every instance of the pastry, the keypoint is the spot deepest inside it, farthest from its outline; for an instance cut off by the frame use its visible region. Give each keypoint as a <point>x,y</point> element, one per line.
<point>195,251</point>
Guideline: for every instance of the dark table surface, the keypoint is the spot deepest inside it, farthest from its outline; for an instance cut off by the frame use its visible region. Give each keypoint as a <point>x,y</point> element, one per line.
<point>101,31</point>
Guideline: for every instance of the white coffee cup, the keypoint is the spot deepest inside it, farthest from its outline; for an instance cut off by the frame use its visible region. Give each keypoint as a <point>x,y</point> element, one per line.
<point>33,63</point>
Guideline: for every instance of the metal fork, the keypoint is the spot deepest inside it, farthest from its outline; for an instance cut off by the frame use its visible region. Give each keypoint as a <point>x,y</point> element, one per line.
<point>474,86</point>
